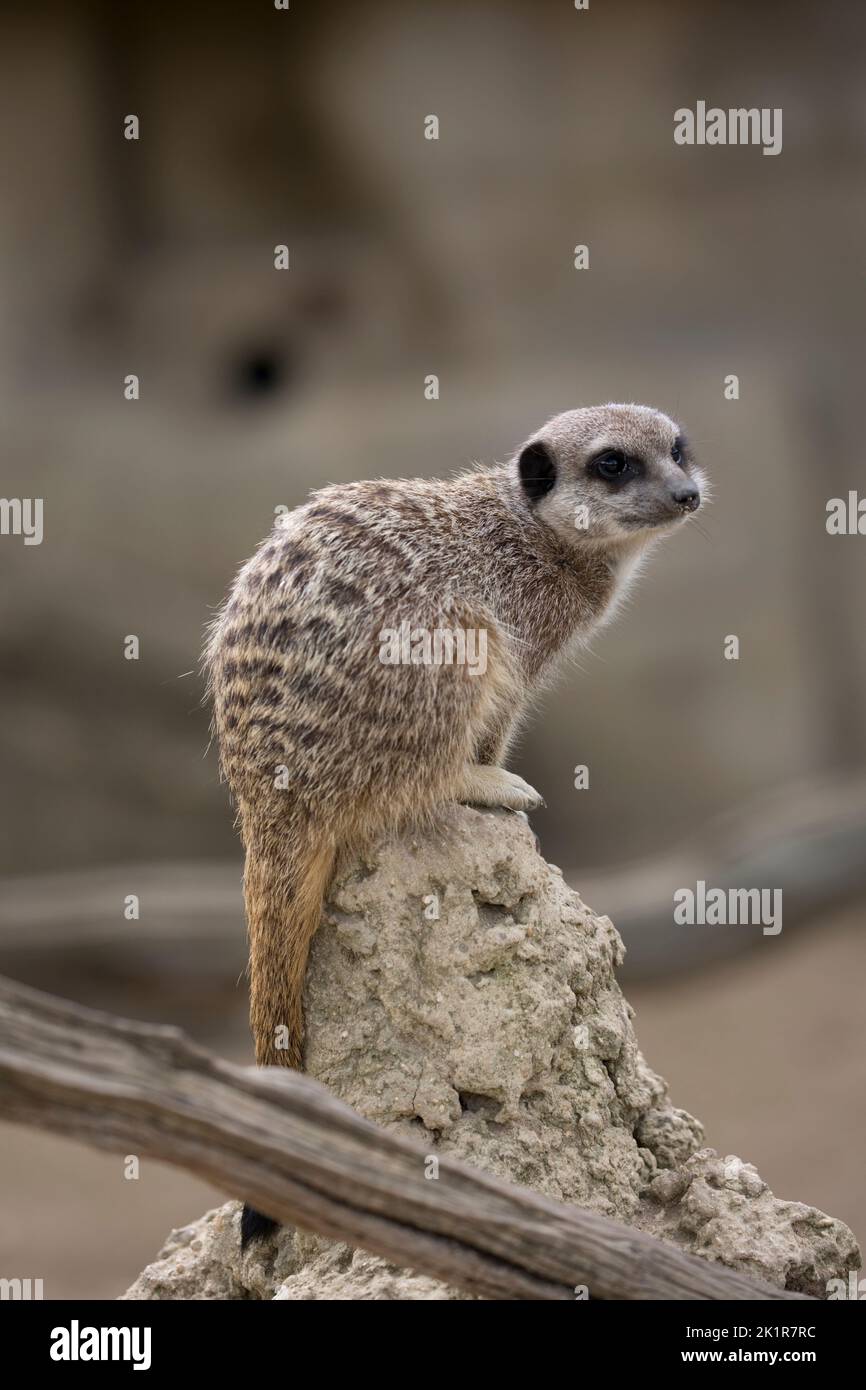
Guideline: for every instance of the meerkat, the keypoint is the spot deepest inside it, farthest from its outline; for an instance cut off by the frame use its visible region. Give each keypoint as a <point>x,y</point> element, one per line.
<point>327,740</point>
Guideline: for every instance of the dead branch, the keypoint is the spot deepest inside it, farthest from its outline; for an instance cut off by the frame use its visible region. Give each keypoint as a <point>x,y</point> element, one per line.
<point>281,1141</point>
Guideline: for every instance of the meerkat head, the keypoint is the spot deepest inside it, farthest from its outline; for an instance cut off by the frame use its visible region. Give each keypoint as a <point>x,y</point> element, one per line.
<point>608,474</point>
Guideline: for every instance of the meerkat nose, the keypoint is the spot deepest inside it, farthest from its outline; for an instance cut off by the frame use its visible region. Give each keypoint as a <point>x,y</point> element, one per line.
<point>688,498</point>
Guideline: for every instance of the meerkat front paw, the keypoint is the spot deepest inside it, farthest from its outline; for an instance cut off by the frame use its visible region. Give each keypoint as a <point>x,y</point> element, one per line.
<point>493,786</point>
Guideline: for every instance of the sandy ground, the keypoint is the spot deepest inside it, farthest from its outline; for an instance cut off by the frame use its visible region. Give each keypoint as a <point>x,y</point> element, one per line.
<point>769,1052</point>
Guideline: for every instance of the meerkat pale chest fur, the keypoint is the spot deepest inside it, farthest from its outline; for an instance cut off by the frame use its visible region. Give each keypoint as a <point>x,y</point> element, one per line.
<point>326,740</point>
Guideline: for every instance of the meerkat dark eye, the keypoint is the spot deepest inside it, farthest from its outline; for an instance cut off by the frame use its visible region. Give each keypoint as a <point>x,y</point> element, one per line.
<point>677,452</point>
<point>613,466</point>
<point>537,471</point>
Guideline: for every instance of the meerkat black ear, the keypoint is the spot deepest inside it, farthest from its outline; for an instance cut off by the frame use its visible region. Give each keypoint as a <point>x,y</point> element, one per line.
<point>537,468</point>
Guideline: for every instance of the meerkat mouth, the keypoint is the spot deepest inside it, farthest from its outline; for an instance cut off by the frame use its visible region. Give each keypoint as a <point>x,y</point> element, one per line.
<point>654,522</point>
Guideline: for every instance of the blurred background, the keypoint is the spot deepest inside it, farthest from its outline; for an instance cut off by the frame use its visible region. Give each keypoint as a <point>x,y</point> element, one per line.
<point>454,257</point>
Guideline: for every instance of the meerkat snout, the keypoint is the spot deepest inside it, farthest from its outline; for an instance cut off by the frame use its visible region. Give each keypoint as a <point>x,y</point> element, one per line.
<point>688,498</point>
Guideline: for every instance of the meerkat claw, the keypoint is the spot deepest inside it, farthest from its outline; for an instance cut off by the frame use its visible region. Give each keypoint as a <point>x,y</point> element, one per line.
<point>494,786</point>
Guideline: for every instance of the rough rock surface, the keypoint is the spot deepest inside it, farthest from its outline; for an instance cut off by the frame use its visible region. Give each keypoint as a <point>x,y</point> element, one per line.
<point>461,994</point>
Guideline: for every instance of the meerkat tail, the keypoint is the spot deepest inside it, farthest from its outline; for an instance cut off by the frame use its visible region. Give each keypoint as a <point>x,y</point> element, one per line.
<point>284,885</point>
<point>255,1226</point>
<point>285,880</point>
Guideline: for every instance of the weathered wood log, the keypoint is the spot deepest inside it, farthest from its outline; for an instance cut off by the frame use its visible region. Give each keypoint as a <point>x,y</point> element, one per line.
<point>281,1141</point>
